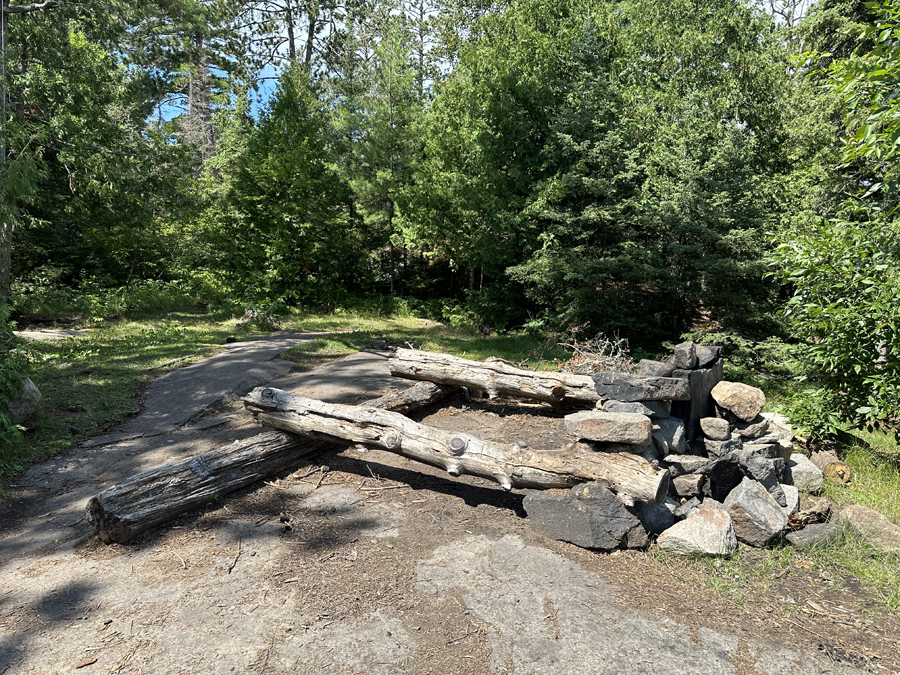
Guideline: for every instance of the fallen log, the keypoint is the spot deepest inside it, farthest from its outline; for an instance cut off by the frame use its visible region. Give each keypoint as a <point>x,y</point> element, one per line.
<point>148,499</point>
<point>630,476</point>
<point>496,378</point>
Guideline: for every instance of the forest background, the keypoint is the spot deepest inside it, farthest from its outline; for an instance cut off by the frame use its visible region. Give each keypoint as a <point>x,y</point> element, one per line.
<point>715,169</point>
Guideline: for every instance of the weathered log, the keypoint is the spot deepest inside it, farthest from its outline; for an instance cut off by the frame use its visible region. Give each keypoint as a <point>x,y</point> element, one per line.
<point>630,476</point>
<point>494,377</point>
<point>145,500</point>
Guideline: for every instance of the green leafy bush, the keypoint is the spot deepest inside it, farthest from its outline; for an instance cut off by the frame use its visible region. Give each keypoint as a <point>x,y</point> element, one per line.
<point>846,311</point>
<point>13,371</point>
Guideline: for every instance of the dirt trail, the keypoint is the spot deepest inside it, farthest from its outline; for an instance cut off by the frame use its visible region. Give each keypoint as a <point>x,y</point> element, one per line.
<point>360,561</point>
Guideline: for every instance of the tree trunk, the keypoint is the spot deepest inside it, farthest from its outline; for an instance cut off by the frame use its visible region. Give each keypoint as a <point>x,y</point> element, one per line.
<point>148,499</point>
<point>630,476</point>
<point>5,223</point>
<point>495,377</point>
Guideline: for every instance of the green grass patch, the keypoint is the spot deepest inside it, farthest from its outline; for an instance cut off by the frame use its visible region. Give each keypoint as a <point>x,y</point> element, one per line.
<point>88,384</point>
<point>411,332</point>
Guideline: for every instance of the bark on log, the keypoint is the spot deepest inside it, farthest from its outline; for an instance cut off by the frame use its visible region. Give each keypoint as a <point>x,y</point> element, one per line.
<point>148,499</point>
<point>630,476</point>
<point>494,377</point>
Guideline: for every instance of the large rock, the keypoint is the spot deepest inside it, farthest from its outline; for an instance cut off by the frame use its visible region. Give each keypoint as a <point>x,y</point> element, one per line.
<point>741,400</point>
<point>763,449</point>
<point>656,518</point>
<point>668,436</point>
<point>877,530</point>
<point>706,356</point>
<point>779,422</point>
<point>707,530</point>
<point>685,356</point>
<point>649,368</point>
<point>780,446</point>
<point>597,425</point>
<point>723,474</point>
<point>689,485</point>
<point>28,403</point>
<point>715,428</point>
<point>817,534</point>
<point>588,515</point>
<point>625,387</point>
<point>754,429</point>
<point>757,517</point>
<point>763,472</point>
<point>648,408</point>
<point>721,448</point>
<point>804,475</point>
<point>682,464</point>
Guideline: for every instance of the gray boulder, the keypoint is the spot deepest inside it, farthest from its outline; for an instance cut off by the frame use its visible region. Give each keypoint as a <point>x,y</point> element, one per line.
<point>767,450</point>
<point>721,448</point>
<point>708,531</point>
<point>715,428</point>
<point>689,485</point>
<point>682,464</point>
<point>817,534</point>
<point>649,368</point>
<point>669,437</point>
<point>804,475</point>
<point>648,408</point>
<point>588,515</point>
<point>625,387</point>
<point>753,429</point>
<point>762,471</point>
<point>28,403</point>
<point>597,425</point>
<point>757,517</point>
<point>707,355</point>
<point>685,356</point>
<point>656,518</point>
<point>741,400</point>
<point>878,531</point>
<point>723,474</point>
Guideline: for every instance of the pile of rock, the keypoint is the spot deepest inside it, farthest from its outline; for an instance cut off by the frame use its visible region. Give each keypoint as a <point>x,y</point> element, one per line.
<point>734,475</point>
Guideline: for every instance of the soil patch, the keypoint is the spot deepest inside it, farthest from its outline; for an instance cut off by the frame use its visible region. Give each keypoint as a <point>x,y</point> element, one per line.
<point>362,561</point>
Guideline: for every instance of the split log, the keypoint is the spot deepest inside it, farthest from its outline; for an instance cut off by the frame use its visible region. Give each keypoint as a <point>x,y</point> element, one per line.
<point>630,476</point>
<point>494,377</point>
<point>148,499</point>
